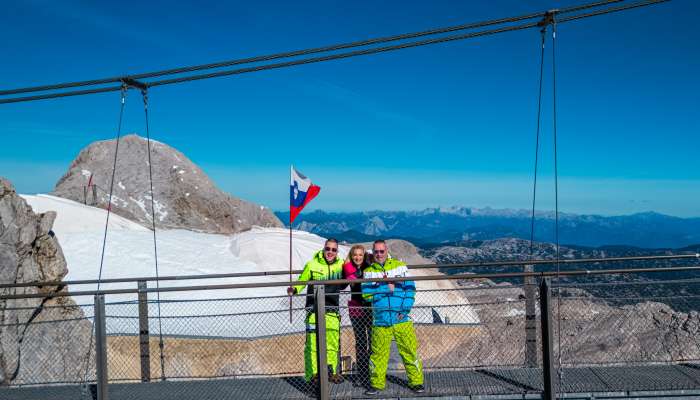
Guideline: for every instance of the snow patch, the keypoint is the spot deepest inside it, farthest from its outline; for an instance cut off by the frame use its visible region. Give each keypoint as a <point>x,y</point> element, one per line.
<point>142,206</point>
<point>116,200</point>
<point>129,253</point>
<point>73,217</point>
<point>86,173</point>
<point>158,208</point>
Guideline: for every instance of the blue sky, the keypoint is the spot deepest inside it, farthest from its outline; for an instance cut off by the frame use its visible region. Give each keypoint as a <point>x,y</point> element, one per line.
<point>450,124</point>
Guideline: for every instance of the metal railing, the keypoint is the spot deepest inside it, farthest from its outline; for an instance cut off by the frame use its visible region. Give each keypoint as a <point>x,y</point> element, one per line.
<point>466,334</point>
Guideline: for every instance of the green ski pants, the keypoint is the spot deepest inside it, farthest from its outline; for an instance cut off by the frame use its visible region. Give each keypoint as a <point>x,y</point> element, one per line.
<point>332,342</point>
<point>407,344</point>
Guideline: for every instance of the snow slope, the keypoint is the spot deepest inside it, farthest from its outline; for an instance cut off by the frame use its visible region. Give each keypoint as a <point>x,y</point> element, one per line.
<point>129,253</point>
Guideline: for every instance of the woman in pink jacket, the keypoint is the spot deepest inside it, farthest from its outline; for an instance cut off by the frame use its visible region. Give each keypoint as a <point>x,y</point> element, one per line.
<point>359,310</point>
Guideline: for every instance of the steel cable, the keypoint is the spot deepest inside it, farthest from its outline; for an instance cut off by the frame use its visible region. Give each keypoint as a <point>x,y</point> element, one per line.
<point>556,188</point>
<point>314,51</point>
<point>104,238</point>
<point>322,49</point>
<point>537,143</point>
<point>144,94</point>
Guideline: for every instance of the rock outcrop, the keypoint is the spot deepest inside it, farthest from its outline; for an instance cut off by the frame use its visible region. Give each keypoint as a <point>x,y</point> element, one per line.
<point>184,196</point>
<point>41,339</point>
<point>593,330</point>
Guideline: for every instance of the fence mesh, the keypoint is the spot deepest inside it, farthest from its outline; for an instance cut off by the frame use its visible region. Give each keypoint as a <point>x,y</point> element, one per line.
<point>621,335</point>
<point>46,342</point>
<point>472,339</point>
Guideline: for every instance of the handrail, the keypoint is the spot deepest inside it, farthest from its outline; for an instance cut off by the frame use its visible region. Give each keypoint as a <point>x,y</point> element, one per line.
<point>542,274</point>
<point>286,272</point>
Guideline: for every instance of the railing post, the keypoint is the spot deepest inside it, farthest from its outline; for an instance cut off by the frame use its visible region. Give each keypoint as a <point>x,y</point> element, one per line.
<point>530,319</point>
<point>101,347</point>
<point>144,340</point>
<point>547,340</point>
<point>321,362</point>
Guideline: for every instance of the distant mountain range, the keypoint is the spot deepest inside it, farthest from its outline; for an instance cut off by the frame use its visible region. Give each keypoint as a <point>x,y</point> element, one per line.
<point>435,226</point>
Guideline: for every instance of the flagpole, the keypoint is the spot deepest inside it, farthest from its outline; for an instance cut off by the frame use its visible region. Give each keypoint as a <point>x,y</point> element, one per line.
<point>301,192</point>
<point>290,254</point>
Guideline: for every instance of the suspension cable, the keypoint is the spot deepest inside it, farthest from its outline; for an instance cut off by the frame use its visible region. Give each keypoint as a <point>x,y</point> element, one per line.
<point>295,53</point>
<point>556,186</point>
<point>543,31</point>
<point>144,94</point>
<point>318,50</point>
<point>109,209</point>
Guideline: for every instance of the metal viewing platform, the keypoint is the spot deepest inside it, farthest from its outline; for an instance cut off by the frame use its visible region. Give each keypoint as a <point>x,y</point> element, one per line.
<point>479,337</point>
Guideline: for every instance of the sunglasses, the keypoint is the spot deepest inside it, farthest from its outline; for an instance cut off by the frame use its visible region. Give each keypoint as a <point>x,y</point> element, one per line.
<point>331,249</point>
<point>380,251</point>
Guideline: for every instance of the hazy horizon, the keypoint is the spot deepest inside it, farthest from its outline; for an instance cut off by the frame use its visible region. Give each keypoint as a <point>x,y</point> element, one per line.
<point>445,124</point>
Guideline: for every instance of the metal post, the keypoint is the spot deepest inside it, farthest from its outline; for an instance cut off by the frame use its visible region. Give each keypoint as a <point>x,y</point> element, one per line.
<point>94,195</point>
<point>101,347</point>
<point>339,358</point>
<point>144,339</point>
<point>530,319</point>
<point>85,194</point>
<point>547,340</point>
<point>321,355</point>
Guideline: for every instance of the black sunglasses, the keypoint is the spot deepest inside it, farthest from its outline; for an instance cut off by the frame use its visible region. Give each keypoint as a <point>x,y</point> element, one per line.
<point>331,249</point>
<point>380,251</point>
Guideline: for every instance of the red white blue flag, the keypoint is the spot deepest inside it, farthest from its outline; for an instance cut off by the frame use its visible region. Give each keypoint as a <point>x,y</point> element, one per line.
<point>302,191</point>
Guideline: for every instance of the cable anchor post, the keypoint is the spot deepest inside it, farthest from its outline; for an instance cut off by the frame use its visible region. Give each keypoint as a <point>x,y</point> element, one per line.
<point>128,83</point>
<point>548,19</point>
<point>144,95</point>
<point>123,93</point>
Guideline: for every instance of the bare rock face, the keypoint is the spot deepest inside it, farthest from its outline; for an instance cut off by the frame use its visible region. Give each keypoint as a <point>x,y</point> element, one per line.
<point>184,196</point>
<point>593,331</point>
<point>34,348</point>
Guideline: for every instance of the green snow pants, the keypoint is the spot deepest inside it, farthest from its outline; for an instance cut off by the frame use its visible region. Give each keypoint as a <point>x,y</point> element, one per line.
<point>407,344</point>
<point>332,342</point>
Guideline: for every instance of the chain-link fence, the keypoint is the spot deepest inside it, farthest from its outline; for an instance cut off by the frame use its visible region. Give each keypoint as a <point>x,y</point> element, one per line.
<point>46,342</point>
<point>477,338</point>
<point>620,338</point>
<point>254,338</point>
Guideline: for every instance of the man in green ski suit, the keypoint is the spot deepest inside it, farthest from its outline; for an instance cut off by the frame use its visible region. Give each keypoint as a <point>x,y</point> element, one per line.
<point>391,303</point>
<point>325,265</point>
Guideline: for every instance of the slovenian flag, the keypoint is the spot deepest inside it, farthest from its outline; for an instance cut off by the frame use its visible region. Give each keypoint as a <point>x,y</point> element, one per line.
<point>302,191</point>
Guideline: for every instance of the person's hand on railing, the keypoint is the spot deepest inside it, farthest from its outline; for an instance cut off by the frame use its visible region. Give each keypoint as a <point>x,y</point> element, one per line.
<point>290,290</point>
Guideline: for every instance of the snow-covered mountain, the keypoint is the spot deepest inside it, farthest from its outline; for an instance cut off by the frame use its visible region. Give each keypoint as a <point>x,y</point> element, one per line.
<point>129,253</point>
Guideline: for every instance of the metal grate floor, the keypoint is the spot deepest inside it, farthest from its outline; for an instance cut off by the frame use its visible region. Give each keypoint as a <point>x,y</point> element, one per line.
<point>620,382</point>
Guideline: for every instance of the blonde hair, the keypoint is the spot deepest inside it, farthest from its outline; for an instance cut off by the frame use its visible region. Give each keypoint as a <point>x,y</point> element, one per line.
<point>352,250</point>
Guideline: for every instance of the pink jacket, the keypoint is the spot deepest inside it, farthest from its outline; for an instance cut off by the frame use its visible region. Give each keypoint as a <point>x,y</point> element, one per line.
<point>355,304</point>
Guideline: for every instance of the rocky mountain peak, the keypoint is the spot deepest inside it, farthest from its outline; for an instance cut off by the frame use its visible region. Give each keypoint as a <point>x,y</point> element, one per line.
<point>184,196</point>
